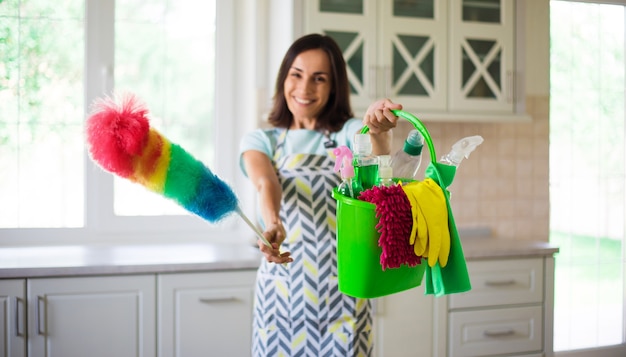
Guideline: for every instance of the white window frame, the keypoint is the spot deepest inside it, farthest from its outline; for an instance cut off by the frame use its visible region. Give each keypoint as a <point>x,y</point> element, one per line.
<point>234,34</point>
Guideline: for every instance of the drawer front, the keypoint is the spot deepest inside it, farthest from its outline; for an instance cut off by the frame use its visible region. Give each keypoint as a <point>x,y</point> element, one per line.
<point>496,332</point>
<point>502,282</point>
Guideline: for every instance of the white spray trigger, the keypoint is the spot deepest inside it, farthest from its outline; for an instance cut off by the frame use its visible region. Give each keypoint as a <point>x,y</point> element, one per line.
<point>466,145</point>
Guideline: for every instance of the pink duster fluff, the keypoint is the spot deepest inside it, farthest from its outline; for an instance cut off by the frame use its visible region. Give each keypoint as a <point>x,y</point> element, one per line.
<point>393,211</point>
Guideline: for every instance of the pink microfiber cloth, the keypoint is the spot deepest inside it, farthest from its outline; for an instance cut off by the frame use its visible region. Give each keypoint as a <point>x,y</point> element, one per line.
<point>395,221</point>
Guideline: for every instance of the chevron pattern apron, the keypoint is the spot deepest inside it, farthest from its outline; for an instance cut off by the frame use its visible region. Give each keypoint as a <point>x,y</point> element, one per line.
<point>299,310</point>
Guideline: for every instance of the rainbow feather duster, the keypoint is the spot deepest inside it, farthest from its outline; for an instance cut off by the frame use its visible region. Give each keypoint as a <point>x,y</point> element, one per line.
<point>122,142</point>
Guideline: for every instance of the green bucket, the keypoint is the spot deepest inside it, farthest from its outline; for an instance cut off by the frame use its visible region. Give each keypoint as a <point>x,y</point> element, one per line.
<point>358,255</point>
<point>359,271</point>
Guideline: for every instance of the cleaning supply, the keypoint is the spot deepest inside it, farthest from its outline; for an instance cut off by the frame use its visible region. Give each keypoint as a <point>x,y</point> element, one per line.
<point>359,270</point>
<point>454,277</point>
<point>122,142</point>
<point>385,173</point>
<point>439,281</point>
<point>406,162</point>
<point>428,203</point>
<point>365,164</point>
<point>393,211</point>
<point>419,230</point>
<point>461,149</point>
<point>343,164</point>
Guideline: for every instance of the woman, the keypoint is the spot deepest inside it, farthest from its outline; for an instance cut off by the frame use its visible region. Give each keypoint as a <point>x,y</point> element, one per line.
<point>298,308</point>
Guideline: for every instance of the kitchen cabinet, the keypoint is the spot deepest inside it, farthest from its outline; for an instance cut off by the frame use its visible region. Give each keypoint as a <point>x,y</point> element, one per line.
<point>12,318</point>
<point>439,58</point>
<point>168,314</point>
<point>186,307</point>
<point>92,316</point>
<point>404,324</point>
<point>508,311</point>
<point>204,314</point>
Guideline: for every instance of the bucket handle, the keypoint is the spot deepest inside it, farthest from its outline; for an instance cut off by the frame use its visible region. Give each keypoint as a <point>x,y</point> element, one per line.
<point>418,125</point>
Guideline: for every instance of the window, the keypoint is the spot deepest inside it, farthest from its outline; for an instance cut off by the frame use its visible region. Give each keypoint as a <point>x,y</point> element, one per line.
<point>587,174</point>
<point>57,58</point>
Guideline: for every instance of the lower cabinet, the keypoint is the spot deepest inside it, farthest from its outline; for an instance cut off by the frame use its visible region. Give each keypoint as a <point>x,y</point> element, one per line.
<point>13,318</point>
<point>508,312</point>
<point>205,314</point>
<point>404,324</point>
<point>91,316</point>
<point>195,314</point>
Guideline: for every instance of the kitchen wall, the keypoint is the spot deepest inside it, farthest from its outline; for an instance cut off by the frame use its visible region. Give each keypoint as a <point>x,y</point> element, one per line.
<point>504,185</point>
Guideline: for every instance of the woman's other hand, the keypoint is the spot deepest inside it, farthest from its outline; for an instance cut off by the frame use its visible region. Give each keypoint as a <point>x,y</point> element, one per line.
<point>379,116</point>
<point>275,234</point>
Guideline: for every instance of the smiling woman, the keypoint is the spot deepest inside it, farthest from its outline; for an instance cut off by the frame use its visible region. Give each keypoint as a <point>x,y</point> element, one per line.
<point>165,52</point>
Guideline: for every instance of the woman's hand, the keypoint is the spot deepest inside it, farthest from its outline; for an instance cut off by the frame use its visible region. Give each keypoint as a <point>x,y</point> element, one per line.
<point>275,234</point>
<point>379,118</point>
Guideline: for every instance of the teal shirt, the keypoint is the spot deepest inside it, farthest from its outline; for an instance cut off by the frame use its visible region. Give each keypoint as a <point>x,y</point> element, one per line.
<point>300,141</point>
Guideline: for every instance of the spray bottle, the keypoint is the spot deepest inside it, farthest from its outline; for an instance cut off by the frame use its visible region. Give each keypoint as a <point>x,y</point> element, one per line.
<point>406,162</point>
<point>461,149</point>
<point>365,164</point>
<point>343,165</point>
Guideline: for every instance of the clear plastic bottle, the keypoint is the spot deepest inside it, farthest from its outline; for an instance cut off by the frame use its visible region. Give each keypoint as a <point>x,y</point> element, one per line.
<point>365,164</point>
<point>385,173</point>
<point>461,149</point>
<point>407,161</point>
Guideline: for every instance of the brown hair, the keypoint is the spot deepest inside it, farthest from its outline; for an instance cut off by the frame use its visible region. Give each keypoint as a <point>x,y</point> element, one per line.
<point>337,110</point>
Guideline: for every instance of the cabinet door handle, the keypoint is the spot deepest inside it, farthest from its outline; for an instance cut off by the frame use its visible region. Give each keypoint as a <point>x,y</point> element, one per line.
<point>41,306</point>
<point>217,300</point>
<point>500,333</point>
<point>500,282</point>
<point>19,309</point>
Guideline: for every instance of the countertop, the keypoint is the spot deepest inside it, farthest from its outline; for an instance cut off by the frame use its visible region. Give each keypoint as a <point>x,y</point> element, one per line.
<point>99,259</point>
<point>476,248</point>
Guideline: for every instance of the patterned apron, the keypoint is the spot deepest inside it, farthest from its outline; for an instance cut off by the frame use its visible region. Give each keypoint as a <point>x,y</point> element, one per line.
<point>299,310</point>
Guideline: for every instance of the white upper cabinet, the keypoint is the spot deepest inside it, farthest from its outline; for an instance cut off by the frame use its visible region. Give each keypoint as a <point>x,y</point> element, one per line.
<point>442,59</point>
<point>482,50</point>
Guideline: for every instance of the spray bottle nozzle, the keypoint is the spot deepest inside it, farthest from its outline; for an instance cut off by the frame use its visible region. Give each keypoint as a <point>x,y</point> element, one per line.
<point>462,149</point>
<point>466,145</point>
<point>343,163</point>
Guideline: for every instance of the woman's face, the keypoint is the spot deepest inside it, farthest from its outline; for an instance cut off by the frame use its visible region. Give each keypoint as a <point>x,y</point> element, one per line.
<point>308,85</point>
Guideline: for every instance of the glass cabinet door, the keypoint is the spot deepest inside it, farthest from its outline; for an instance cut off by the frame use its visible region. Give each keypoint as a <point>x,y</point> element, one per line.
<point>414,54</point>
<point>435,56</point>
<point>352,23</point>
<point>482,53</point>
<point>341,6</point>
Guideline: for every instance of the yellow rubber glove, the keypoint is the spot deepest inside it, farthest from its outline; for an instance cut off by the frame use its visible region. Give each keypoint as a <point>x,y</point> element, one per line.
<point>430,199</point>
<point>419,232</point>
<point>433,205</point>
